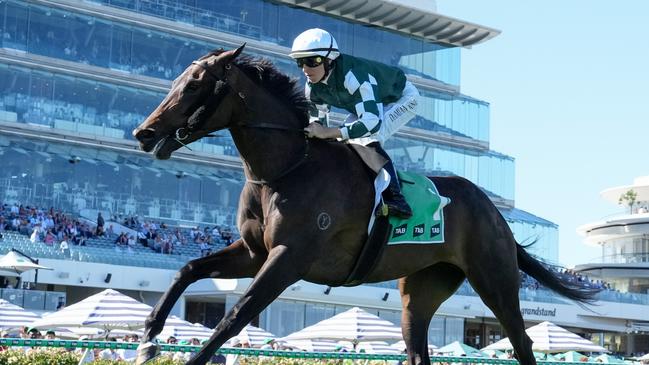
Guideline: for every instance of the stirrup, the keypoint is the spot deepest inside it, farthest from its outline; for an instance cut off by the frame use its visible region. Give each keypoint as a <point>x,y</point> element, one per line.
<point>382,210</point>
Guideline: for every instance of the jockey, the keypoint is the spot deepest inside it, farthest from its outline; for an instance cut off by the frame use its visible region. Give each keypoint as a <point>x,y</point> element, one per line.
<point>379,98</point>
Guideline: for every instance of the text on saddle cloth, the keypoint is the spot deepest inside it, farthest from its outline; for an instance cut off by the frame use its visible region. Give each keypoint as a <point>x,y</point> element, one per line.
<point>426,226</point>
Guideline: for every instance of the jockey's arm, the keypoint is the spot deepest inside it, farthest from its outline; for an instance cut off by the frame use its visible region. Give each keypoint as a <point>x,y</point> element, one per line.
<point>363,88</point>
<point>316,130</point>
<point>319,123</point>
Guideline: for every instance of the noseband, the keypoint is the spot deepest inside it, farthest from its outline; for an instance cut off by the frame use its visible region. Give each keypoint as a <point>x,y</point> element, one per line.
<point>263,125</point>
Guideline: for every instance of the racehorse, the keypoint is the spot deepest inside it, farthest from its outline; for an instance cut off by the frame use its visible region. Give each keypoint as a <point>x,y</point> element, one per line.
<point>291,181</point>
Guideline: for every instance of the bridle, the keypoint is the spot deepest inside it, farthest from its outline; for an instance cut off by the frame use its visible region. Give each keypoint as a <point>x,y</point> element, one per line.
<point>189,129</point>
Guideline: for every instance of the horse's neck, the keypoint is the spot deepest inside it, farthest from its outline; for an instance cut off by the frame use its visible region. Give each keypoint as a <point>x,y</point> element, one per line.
<point>268,153</point>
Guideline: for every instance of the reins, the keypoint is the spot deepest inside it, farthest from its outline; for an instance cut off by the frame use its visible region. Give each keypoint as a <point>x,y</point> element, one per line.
<point>262,125</point>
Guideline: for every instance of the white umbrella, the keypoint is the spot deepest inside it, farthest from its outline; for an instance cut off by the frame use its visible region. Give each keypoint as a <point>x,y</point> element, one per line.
<point>17,263</point>
<point>354,325</point>
<point>550,338</point>
<point>459,349</point>
<point>377,347</point>
<point>107,310</point>
<point>10,273</point>
<point>255,336</point>
<point>317,345</point>
<point>184,330</point>
<point>76,332</point>
<point>13,316</point>
<point>644,357</point>
<point>401,346</point>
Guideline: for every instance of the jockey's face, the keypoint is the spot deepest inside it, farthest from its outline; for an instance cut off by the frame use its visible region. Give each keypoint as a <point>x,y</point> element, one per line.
<point>314,74</point>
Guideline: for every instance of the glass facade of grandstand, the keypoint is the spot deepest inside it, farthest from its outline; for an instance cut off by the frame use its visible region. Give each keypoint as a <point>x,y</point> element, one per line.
<point>75,81</point>
<point>84,73</point>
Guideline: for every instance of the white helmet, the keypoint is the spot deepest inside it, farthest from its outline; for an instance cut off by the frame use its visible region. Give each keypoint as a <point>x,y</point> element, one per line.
<point>315,42</point>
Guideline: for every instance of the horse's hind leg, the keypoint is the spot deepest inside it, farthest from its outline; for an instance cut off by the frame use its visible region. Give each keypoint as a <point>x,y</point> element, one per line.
<point>421,295</point>
<point>232,262</point>
<point>494,275</point>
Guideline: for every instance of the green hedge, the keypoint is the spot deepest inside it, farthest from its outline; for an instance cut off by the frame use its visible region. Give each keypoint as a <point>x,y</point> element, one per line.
<point>63,357</point>
<point>59,357</point>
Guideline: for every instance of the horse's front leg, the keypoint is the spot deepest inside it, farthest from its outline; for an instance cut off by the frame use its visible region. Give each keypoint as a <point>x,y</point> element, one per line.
<point>234,261</point>
<point>280,270</point>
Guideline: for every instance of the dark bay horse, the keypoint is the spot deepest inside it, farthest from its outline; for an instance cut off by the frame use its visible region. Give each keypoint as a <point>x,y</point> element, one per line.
<point>292,181</point>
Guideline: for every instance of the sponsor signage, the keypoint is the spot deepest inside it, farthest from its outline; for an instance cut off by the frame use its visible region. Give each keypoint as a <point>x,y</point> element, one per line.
<point>538,311</point>
<point>400,230</point>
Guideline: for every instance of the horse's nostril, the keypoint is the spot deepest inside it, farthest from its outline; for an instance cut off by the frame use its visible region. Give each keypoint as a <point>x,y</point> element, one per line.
<point>143,134</point>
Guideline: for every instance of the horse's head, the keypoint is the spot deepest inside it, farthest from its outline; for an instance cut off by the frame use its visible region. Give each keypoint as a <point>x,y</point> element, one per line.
<point>200,102</point>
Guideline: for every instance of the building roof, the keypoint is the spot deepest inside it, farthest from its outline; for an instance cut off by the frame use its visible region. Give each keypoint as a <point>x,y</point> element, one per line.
<point>640,186</point>
<point>518,215</point>
<point>403,19</point>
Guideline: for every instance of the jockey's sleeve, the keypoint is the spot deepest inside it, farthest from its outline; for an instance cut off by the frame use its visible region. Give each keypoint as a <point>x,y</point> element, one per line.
<point>363,88</point>
<point>317,112</point>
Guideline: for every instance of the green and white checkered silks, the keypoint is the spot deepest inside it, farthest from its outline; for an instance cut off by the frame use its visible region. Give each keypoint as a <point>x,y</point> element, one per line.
<point>393,116</point>
<point>368,109</point>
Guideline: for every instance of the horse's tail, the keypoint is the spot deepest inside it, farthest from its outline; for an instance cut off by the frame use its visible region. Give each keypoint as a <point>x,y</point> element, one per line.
<point>553,280</point>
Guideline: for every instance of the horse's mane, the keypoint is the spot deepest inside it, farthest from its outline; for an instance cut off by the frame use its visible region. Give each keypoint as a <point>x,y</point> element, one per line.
<point>263,72</point>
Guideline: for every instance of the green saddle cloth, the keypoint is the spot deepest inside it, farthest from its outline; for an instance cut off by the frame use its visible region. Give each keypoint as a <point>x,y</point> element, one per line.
<point>427,222</point>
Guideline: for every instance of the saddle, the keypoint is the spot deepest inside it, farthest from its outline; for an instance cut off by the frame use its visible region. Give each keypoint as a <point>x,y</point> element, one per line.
<point>426,226</point>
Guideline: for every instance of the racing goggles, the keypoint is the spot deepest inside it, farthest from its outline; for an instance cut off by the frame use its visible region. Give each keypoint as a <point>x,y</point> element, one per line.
<point>313,61</point>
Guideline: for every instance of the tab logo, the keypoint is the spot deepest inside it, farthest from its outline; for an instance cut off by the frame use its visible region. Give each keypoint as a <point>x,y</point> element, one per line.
<point>435,230</point>
<point>418,230</point>
<point>400,230</point>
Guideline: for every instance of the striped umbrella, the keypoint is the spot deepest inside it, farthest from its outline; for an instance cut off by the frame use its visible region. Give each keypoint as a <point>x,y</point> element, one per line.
<point>317,345</point>
<point>550,338</point>
<point>377,347</point>
<point>107,310</point>
<point>354,325</point>
<point>184,330</point>
<point>13,316</point>
<point>255,336</point>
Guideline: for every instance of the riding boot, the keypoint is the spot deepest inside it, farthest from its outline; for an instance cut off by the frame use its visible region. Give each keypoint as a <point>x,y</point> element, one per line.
<point>397,204</point>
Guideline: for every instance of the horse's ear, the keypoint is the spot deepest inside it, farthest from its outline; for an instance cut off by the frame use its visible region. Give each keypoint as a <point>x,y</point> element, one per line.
<point>238,51</point>
<point>232,54</point>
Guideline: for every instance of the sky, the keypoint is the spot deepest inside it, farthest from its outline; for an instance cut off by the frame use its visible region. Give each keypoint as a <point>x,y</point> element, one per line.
<point>567,85</point>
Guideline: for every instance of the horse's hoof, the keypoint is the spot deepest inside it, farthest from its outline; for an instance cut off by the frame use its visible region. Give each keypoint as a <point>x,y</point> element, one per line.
<point>146,352</point>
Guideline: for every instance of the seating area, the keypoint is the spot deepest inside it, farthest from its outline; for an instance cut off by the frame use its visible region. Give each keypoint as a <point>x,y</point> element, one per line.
<point>86,246</point>
<point>98,251</point>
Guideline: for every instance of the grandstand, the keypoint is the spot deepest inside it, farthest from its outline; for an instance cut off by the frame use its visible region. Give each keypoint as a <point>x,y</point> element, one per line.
<point>77,76</point>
